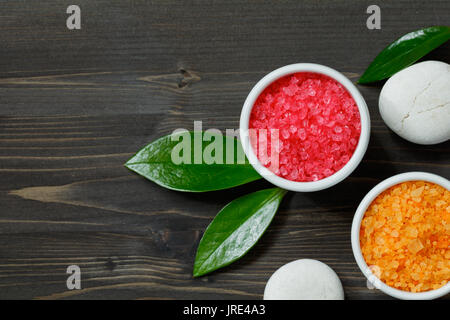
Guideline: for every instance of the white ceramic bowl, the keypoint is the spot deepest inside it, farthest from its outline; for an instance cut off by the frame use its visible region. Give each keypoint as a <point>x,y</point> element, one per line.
<point>337,176</point>
<point>379,188</point>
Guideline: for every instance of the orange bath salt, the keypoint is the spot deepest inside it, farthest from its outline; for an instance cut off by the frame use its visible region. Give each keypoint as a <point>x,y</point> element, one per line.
<point>405,232</point>
<point>415,246</point>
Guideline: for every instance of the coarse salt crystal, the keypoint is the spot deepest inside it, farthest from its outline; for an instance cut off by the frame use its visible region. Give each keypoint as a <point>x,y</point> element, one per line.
<point>318,120</point>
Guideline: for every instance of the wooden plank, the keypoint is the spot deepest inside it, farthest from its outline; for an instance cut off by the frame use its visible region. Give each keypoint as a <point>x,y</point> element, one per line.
<point>75,105</point>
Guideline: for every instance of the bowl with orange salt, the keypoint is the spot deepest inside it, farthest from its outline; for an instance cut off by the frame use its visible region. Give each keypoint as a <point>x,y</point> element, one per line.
<point>401,236</point>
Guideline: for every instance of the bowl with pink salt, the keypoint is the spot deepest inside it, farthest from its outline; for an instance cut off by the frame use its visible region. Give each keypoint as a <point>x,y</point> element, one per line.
<point>304,127</point>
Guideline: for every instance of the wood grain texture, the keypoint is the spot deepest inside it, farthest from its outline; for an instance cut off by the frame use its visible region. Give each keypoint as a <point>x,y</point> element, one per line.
<point>75,105</point>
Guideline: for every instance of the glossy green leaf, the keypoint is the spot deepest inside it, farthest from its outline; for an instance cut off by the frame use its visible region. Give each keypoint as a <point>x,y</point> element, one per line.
<point>235,229</point>
<point>405,51</point>
<point>155,162</point>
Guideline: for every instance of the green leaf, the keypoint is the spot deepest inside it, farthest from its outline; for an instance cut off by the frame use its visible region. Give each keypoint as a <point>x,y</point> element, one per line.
<point>235,229</point>
<point>155,163</point>
<point>405,51</point>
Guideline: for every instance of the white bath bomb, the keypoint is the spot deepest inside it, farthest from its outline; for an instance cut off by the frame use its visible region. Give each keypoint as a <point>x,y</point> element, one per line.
<point>415,102</point>
<point>304,279</point>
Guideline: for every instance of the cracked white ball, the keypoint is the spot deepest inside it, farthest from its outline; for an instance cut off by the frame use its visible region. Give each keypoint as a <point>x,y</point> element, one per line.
<point>415,102</point>
<point>304,279</point>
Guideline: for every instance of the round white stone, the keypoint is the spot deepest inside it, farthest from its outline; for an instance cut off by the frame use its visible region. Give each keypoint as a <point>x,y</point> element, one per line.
<point>304,279</point>
<point>415,102</point>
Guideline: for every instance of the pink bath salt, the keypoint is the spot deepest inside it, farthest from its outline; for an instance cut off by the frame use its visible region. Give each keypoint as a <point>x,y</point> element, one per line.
<point>318,126</point>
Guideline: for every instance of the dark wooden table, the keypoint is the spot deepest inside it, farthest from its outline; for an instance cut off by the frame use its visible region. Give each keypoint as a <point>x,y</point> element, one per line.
<point>76,104</point>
